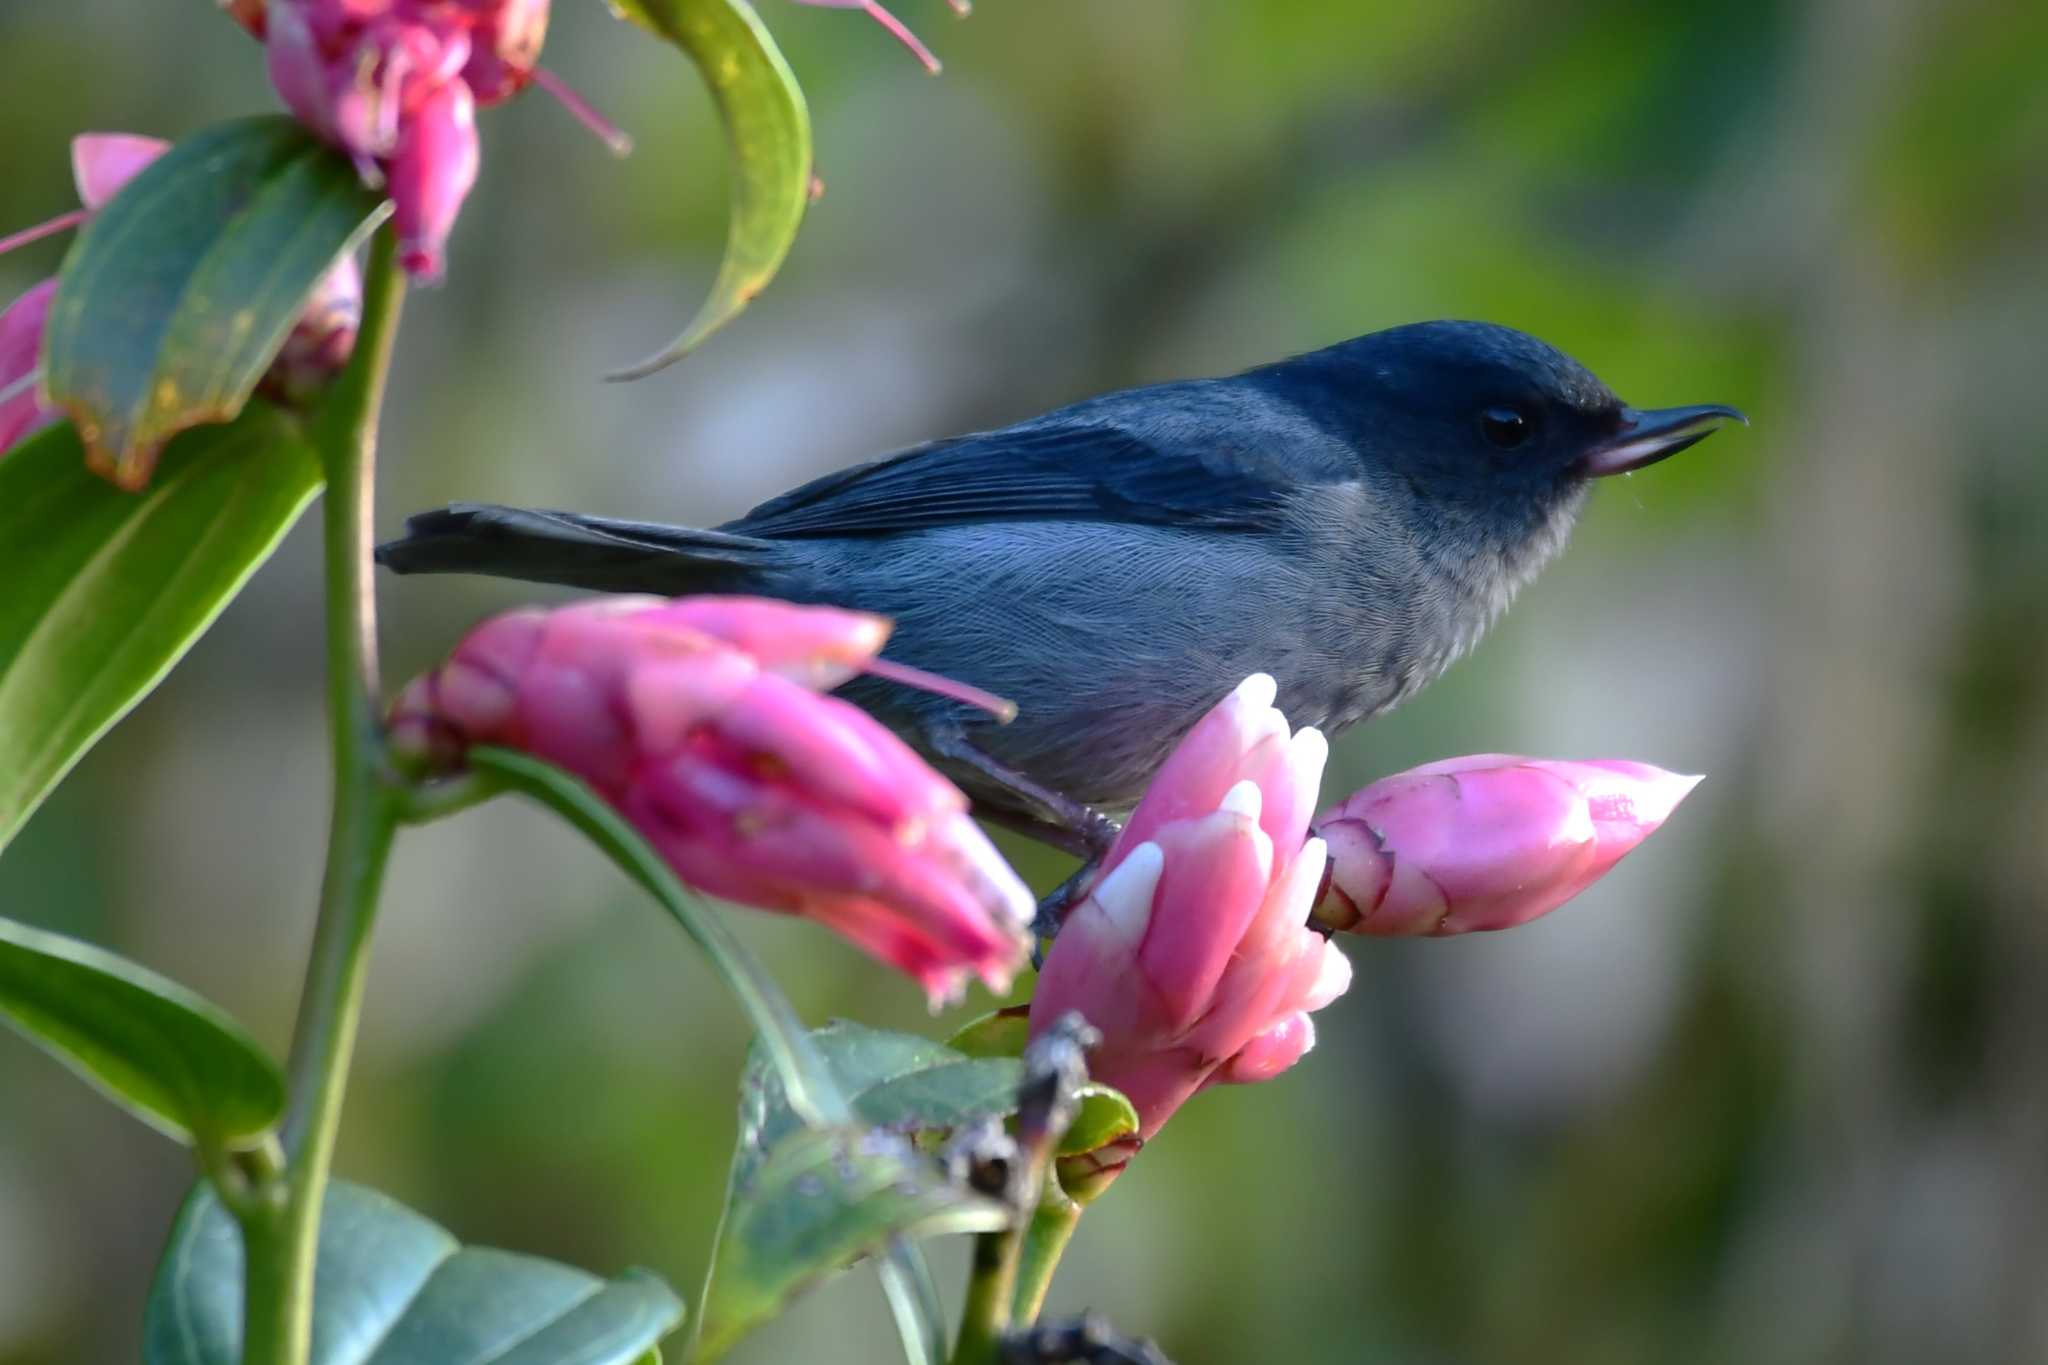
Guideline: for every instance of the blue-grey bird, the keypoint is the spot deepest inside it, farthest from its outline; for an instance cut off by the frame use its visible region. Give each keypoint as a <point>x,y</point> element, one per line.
<point>1349,521</point>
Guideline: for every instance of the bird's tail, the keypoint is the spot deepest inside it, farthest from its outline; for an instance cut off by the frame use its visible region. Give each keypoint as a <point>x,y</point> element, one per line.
<point>578,551</point>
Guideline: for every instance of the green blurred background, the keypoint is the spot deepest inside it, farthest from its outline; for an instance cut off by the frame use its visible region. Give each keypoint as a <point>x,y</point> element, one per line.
<point>1776,1091</point>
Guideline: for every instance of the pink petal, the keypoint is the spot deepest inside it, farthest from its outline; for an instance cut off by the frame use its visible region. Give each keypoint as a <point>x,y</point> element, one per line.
<point>1206,764</point>
<point>1214,884</point>
<point>1269,1053</point>
<point>23,412</point>
<point>820,647</point>
<point>506,46</point>
<point>101,163</point>
<point>431,174</point>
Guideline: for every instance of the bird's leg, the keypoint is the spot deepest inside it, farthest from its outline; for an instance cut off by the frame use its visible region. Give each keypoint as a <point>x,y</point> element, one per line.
<point>1048,816</point>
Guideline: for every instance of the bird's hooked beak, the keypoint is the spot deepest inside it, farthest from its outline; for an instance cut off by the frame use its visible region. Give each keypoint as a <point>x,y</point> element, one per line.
<point>1643,438</point>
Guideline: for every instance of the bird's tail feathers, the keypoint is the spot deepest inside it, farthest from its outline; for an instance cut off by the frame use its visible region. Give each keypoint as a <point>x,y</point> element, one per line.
<point>575,551</point>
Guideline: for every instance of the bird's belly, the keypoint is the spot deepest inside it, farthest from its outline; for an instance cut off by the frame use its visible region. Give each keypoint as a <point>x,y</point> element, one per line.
<point>1113,640</point>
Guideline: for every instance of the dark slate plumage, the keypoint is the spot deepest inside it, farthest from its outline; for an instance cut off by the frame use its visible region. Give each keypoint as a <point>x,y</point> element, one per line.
<point>1349,521</point>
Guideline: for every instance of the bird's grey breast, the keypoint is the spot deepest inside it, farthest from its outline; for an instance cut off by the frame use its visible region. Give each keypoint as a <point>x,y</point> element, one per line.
<point>1112,637</point>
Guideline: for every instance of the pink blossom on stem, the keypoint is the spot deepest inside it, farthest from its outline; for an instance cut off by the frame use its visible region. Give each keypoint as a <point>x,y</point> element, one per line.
<point>1192,952</point>
<point>701,721</point>
<point>396,85</point>
<point>1485,842</point>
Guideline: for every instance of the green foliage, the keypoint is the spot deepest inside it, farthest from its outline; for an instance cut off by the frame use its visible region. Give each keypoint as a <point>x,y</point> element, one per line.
<point>897,1081</point>
<point>159,1051</point>
<point>177,295</point>
<point>769,129</point>
<point>105,591</point>
<point>394,1288</point>
<point>819,1200</point>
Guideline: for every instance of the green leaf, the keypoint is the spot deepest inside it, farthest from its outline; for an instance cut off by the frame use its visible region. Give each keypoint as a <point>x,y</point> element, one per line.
<point>1001,1033</point>
<point>177,295</point>
<point>895,1081</point>
<point>174,1060</point>
<point>394,1288</point>
<point>105,591</point>
<point>769,130</point>
<point>816,1202</point>
<point>800,1072</point>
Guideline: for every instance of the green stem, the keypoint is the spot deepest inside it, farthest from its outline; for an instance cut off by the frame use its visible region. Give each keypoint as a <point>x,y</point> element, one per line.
<point>991,1283</point>
<point>1045,1241</point>
<point>281,1241</point>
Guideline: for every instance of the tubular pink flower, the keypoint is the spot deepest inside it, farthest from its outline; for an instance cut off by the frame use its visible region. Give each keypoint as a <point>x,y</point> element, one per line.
<point>1192,953</point>
<point>1485,842</point>
<point>701,721</point>
<point>431,173</point>
<point>101,163</point>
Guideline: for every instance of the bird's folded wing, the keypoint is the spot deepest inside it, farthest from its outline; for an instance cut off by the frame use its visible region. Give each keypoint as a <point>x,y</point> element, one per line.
<point>1044,471</point>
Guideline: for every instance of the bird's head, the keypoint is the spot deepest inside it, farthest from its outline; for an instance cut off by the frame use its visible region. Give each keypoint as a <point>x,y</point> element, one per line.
<point>1485,417</point>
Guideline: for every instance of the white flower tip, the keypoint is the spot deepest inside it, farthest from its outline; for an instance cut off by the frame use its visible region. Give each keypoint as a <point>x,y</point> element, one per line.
<point>1308,752</point>
<point>1244,799</point>
<point>1125,895</point>
<point>1257,691</point>
<point>1304,876</point>
<point>1333,977</point>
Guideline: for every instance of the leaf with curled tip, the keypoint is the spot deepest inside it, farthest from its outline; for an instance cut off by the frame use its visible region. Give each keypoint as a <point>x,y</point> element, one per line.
<point>768,128</point>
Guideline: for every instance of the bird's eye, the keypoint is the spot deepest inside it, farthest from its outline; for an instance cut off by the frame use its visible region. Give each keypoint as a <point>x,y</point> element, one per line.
<point>1504,427</point>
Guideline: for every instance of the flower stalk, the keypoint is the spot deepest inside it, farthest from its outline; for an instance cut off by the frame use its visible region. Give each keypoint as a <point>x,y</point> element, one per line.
<point>998,1289</point>
<point>281,1236</point>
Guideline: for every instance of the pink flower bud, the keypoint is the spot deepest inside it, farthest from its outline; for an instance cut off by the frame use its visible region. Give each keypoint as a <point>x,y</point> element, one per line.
<point>431,174</point>
<point>1485,842</point>
<point>700,720</point>
<point>1192,954</point>
<point>22,410</point>
<point>321,341</point>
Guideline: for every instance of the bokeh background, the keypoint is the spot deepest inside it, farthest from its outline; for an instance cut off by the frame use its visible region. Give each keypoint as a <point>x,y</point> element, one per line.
<point>1776,1092</point>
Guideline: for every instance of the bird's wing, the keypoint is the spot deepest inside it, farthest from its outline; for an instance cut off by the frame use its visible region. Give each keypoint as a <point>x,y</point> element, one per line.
<point>1057,470</point>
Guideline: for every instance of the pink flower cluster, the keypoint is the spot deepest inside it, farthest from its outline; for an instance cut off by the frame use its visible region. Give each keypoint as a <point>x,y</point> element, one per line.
<point>1202,948</point>
<point>396,85</point>
<point>1193,953</point>
<point>101,163</point>
<point>701,721</point>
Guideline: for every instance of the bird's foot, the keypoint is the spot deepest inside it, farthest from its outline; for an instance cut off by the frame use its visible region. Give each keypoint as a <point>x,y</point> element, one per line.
<point>1052,910</point>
